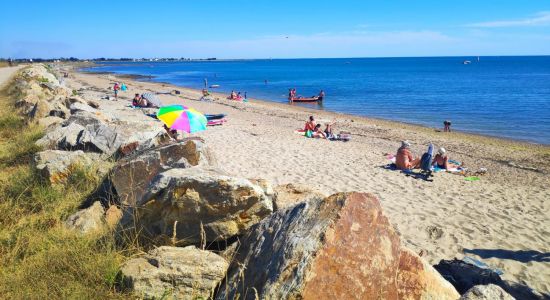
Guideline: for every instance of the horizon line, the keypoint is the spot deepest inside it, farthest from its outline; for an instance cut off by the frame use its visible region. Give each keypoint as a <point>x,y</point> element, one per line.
<point>269,58</point>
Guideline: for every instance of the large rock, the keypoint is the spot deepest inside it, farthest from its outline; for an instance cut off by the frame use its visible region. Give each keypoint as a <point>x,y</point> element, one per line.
<point>49,122</point>
<point>98,138</point>
<point>83,118</point>
<point>340,247</point>
<point>486,292</point>
<point>77,106</point>
<point>225,206</point>
<point>87,220</point>
<point>178,273</point>
<point>287,195</point>
<point>463,276</point>
<point>57,165</point>
<point>131,176</point>
<point>40,109</point>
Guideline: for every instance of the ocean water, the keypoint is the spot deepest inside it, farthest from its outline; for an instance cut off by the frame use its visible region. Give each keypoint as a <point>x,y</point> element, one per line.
<point>498,96</point>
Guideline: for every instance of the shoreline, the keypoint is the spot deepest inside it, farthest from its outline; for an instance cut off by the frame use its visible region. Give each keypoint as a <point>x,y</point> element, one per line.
<point>142,78</point>
<point>506,208</point>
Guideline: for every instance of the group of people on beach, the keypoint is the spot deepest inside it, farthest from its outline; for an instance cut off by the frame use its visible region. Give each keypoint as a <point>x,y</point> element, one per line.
<point>404,159</point>
<point>140,101</point>
<point>237,96</point>
<point>118,87</point>
<point>316,131</point>
<point>313,129</point>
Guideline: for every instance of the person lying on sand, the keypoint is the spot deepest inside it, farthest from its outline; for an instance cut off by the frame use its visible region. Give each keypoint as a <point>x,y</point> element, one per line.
<point>310,125</point>
<point>404,159</point>
<point>318,133</point>
<point>441,160</point>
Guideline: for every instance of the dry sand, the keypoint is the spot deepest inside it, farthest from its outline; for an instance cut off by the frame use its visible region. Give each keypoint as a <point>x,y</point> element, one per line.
<point>503,219</point>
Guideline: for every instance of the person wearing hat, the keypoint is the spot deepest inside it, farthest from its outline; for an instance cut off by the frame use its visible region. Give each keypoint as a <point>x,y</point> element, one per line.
<point>404,160</point>
<point>441,160</point>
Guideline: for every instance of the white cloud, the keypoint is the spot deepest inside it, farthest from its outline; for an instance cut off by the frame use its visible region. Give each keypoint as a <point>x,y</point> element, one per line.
<point>540,19</point>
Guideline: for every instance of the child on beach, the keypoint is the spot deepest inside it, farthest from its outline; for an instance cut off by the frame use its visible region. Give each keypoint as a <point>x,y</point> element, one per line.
<point>318,133</point>
<point>116,88</point>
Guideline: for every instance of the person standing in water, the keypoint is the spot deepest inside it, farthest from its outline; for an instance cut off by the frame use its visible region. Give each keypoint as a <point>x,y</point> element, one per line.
<point>321,95</point>
<point>205,83</point>
<point>446,126</point>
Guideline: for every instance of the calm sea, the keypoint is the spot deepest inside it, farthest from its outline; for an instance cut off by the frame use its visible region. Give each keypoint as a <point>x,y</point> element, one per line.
<point>499,96</point>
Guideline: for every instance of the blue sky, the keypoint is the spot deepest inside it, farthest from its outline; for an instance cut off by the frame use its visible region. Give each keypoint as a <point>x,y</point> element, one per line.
<point>278,29</point>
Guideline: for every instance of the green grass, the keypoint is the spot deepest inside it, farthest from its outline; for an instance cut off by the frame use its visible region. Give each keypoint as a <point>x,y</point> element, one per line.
<point>39,257</point>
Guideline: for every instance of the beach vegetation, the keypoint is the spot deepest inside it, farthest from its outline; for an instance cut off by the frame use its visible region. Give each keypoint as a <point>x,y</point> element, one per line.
<point>39,257</point>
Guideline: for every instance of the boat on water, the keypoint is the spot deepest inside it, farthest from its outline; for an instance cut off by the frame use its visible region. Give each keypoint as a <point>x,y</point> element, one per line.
<point>304,99</point>
<point>214,86</point>
<point>466,62</point>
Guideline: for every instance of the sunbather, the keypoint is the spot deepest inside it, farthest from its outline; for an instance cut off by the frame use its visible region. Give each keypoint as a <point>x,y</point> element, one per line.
<point>136,100</point>
<point>310,125</point>
<point>328,130</point>
<point>404,160</point>
<point>441,160</point>
<point>318,133</point>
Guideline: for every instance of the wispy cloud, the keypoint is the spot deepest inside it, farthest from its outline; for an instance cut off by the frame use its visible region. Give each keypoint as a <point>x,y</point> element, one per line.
<point>540,19</point>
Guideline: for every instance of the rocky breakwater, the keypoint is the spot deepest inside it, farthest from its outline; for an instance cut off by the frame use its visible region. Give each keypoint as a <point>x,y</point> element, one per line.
<point>171,194</point>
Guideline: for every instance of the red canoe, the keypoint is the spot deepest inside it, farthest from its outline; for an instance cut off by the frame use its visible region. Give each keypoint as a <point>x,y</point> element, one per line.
<point>302,99</point>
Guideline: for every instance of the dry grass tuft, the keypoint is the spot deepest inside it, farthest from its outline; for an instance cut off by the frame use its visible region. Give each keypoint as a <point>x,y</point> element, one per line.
<point>39,257</point>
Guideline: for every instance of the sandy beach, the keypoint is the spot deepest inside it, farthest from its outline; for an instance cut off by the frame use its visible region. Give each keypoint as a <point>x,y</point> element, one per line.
<point>503,219</point>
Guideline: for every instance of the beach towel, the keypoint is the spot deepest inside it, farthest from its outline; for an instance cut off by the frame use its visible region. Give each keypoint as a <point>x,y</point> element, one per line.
<point>481,264</point>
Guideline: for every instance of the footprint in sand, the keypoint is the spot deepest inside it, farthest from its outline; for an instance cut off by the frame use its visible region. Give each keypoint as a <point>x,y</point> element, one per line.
<point>434,232</point>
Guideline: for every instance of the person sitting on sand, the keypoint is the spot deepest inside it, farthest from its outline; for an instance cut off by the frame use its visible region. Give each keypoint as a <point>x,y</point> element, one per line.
<point>441,160</point>
<point>318,133</point>
<point>404,159</point>
<point>328,130</point>
<point>136,100</point>
<point>205,95</point>
<point>310,125</point>
<point>233,95</point>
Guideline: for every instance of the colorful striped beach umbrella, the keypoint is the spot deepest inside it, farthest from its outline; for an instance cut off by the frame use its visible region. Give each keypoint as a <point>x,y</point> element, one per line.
<point>180,117</point>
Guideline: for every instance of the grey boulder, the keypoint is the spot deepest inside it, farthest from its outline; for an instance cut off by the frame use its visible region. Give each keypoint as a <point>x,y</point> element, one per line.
<point>132,175</point>
<point>179,273</point>
<point>202,205</point>
<point>486,292</point>
<point>57,165</point>
<point>87,220</point>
